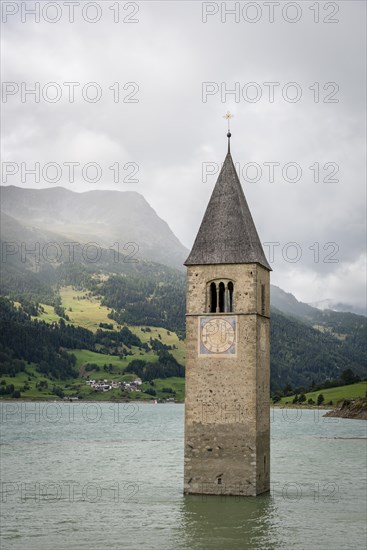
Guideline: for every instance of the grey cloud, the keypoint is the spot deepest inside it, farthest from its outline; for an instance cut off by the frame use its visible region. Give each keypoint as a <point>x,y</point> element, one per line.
<point>171,131</point>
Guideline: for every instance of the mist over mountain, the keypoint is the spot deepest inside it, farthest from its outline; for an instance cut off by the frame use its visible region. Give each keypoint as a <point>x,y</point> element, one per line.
<point>288,303</point>
<point>340,306</point>
<point>108,217</point>
<point>59,215</point>
<point>306,343</point>
<point>102,217</point>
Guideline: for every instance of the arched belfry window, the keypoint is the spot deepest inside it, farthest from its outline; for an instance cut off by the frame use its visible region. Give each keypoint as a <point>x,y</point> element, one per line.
<point>213,298</point>
<point>220,296</point>
<point>230,296</point>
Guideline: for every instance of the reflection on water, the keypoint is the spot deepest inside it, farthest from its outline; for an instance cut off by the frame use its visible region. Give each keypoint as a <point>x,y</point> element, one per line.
<point>229,522</point>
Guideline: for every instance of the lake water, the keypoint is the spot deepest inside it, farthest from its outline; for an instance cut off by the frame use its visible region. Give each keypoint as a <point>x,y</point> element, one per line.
<point>95,476</point>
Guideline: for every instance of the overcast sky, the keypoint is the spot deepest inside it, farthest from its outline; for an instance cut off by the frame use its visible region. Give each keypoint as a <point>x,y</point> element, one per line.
<point>173,128</point>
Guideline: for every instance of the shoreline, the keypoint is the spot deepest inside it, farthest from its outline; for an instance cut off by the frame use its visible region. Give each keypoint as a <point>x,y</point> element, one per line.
<point>147,401</point>
<point>348,409</point>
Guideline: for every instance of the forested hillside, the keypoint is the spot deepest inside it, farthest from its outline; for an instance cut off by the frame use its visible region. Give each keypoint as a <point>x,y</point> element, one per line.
<point>307,345</point>
<point>28,340</point>
<point>300,355</point>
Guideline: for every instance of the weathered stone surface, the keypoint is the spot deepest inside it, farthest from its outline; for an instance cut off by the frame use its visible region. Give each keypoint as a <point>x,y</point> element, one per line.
<point>227,416</point>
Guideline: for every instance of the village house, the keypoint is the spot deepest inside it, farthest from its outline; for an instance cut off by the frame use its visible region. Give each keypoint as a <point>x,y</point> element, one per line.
<point>105,385</point>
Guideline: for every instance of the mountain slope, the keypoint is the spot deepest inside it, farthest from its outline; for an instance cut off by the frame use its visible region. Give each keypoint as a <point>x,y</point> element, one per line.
<point>306,343</point>
<point>104,217</point>
<point>287,303</point>
<point>300,354</point>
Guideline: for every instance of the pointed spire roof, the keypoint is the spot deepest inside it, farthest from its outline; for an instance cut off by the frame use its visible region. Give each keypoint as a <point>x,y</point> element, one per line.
<point>227,234</point>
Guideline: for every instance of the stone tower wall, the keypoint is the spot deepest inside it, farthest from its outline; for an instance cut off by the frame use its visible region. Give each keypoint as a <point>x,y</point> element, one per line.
<point>227,397</point>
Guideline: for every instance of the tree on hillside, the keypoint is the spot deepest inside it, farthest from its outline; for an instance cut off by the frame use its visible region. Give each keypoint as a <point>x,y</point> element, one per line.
<point>348,377</point>
<point>320,399</point>
<point>277,397</point>
<point>288,390</point>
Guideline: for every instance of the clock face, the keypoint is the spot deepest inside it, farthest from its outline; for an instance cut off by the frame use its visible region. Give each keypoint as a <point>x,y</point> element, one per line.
<point>217,336</point>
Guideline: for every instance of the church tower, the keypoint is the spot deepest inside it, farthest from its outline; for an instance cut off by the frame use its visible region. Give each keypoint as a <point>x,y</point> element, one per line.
<point>227,416</point>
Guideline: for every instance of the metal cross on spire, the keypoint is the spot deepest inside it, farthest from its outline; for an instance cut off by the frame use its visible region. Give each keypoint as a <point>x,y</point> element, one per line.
<point>228,116</point>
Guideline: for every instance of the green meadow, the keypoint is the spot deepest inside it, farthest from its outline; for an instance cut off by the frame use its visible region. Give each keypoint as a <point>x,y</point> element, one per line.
<point>335,395</point>
<point>86,311</point>
<point>167,337</point>
<point>84,357</point>
<point>48,315</point>
<point>36,386</point>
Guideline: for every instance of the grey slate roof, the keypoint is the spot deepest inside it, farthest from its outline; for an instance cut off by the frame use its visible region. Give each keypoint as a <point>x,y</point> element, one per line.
<point>227,234</point>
